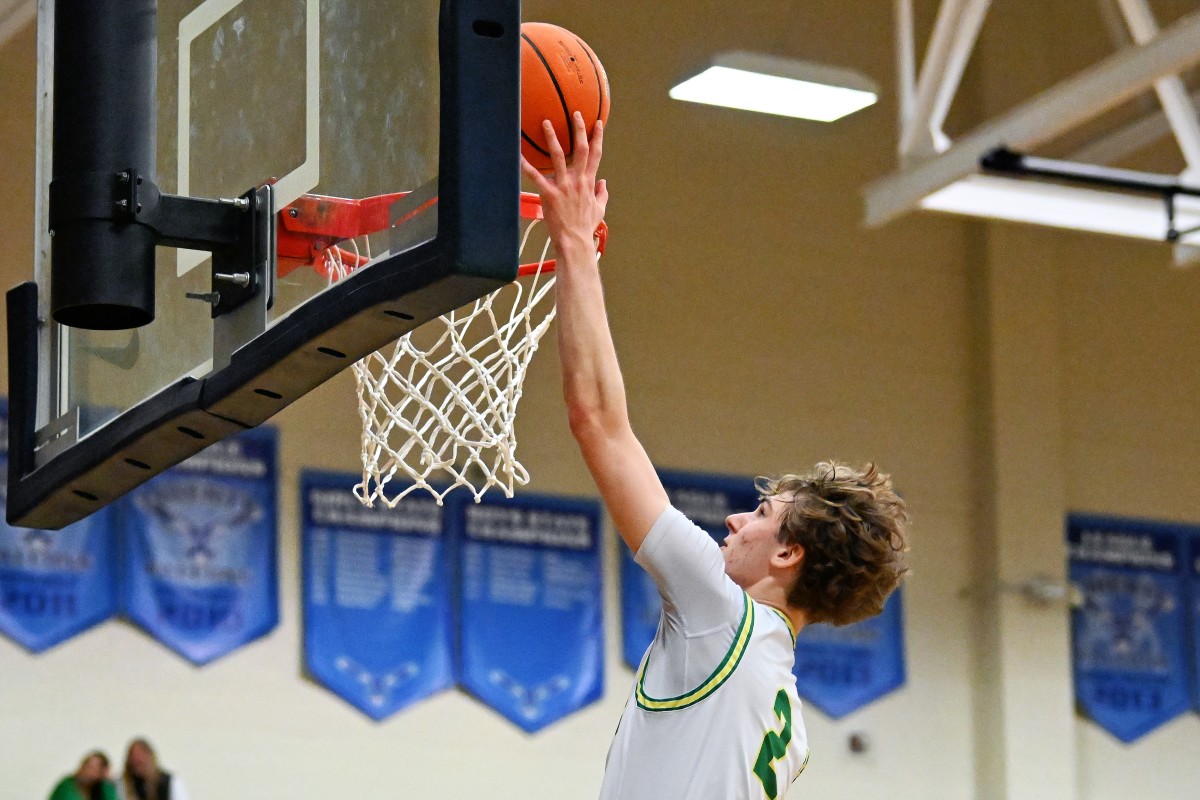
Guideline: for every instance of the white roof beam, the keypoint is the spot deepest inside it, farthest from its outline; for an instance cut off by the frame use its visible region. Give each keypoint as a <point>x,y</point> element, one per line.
<point>1129,138</point>
<point>964,42</point>
<point>906,89</point>
<point>918,134</point>
<point>1180,112</point>
<point>1053,112</point>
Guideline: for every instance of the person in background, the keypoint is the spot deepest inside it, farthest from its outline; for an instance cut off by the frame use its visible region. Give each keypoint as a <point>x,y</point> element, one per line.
<point>144,779</point>
<point>89,782</point>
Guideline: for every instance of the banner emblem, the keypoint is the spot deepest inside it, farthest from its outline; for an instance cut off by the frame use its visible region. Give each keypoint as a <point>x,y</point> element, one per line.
<point>1129,635</point>
<point>200,571</point>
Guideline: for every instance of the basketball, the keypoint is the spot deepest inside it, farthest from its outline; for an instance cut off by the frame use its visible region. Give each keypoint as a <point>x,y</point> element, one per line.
<point>560,75</point>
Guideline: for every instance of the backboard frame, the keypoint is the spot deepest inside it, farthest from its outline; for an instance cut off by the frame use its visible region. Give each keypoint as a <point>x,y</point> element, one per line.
<point>57,477</point>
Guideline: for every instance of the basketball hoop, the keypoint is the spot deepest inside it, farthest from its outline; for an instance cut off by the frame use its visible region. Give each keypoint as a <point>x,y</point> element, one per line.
<point>438,408</point>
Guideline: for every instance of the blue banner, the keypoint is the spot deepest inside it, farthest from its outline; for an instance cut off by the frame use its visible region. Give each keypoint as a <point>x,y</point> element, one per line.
<point>1194,628</point>
<point>641,606</point>
<point>200,549</point>
<point>377,600</point>
<point>708,500</point>
<point>841,669</point>
<point>1129,636</point>
<point>53,584</point>
<point>531,606</point>
<point>704,499</point>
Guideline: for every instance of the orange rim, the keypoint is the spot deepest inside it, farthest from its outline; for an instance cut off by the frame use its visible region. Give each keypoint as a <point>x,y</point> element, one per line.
<point>311,228</point>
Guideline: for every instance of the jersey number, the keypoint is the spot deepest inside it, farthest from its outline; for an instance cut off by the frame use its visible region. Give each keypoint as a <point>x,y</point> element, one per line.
<point>774,746</point>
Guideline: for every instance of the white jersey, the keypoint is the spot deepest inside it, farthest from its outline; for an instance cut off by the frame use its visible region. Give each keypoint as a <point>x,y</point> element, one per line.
<point>714,713</point>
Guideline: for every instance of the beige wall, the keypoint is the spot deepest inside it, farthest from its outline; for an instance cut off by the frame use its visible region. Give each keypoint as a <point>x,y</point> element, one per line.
<point>1004,374</point>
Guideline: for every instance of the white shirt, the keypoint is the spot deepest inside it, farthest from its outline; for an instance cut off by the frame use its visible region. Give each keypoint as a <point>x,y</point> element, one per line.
<point>714,711</point>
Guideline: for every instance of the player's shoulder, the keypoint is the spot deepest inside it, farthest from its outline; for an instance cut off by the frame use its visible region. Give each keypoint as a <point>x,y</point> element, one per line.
<point>674,538</point>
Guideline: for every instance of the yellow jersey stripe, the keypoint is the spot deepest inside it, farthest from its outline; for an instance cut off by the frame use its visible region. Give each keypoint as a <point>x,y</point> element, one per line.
<point>713,682</point>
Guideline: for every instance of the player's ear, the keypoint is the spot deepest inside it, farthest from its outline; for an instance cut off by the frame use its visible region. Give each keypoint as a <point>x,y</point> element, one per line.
<point>788,556</point>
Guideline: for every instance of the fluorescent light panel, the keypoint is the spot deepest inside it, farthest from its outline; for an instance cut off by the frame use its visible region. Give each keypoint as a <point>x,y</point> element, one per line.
<point>1054,205</point>
<point>754,82</point>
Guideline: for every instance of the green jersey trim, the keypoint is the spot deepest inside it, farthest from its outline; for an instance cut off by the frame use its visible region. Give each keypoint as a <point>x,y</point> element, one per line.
<point>787,622</point>
<point>741,639</point>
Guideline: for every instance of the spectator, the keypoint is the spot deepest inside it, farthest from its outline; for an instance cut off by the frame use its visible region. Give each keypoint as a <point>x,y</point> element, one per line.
<point>144,779</point>
<point>90,781</point>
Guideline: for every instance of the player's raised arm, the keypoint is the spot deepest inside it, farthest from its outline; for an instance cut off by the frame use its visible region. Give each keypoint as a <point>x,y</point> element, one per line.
<point>574,203</point>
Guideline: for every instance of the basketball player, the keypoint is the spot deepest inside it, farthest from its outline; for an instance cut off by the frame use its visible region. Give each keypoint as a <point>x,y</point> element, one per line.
<point>714,713</point>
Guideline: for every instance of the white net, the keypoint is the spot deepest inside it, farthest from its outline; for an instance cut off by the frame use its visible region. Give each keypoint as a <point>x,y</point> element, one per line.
<point>439,408</point>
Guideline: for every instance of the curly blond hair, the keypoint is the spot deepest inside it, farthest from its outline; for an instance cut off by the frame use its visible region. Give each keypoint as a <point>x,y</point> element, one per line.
<point>853,528</point>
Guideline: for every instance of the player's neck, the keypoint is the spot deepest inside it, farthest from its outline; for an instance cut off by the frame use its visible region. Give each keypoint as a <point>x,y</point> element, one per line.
<point>772,594</point>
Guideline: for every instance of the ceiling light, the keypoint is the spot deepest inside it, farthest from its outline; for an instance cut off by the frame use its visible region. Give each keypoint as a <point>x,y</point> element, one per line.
<point>772,85</point>
<point>1061,206</point>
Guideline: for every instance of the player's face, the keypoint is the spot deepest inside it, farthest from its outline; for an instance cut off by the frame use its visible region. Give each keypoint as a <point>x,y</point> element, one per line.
<point>752,542</point>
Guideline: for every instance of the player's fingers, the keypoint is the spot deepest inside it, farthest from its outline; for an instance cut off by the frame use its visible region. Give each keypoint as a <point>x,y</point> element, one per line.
<point>557,158</point>
<point>580,159</point>
<point>602,197</point>
<point>531,172</point>
<point>596,149</point>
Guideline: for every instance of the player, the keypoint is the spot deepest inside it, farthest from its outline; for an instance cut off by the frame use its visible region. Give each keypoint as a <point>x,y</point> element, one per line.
<point>714,712</point>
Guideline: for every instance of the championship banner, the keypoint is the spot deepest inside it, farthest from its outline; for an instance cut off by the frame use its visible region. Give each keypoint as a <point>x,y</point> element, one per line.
<point>531,606</point>
<point>704,499</point>
<point>1129,636</point>
<point>841,669</point>
<point>53,584</point>
<point>377,600</point>
<point>200,549</point>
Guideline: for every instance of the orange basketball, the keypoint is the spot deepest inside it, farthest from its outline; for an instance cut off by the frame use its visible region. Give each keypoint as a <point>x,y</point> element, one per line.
<point>560,75</point>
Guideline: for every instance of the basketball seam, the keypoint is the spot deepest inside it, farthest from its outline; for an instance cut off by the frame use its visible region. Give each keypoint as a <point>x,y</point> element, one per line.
<point>558,90</point>
<point>599,83</point>
<point>533,144</point>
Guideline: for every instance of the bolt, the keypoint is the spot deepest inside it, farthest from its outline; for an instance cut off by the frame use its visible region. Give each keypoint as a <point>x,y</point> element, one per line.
<point>293,213</point>
<point>212,298</point>
<point>240,203</point>
<point>123,177</point>
<point>236,278</point>
<point>122,204</point>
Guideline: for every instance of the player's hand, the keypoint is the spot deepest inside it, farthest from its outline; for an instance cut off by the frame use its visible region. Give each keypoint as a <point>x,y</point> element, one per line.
<point>573,201</point>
